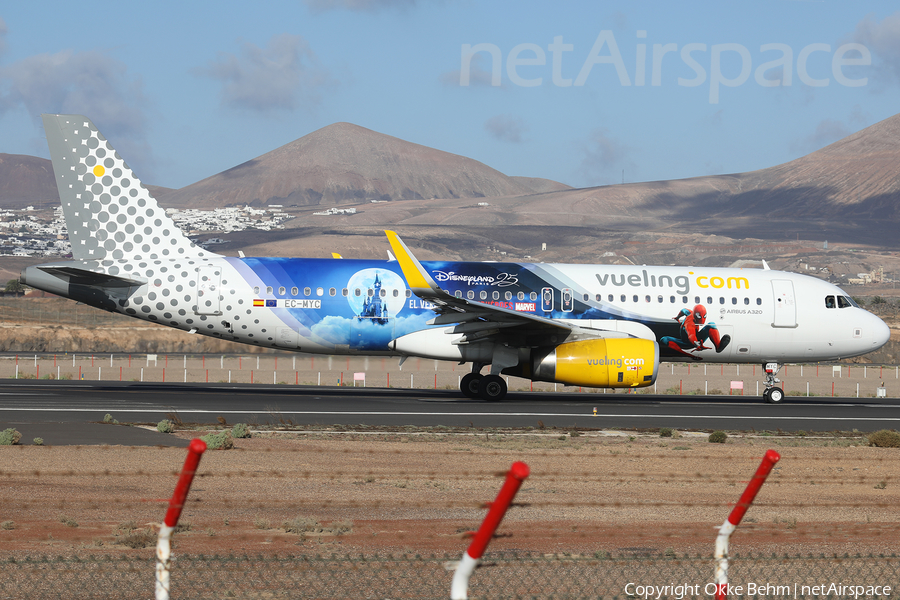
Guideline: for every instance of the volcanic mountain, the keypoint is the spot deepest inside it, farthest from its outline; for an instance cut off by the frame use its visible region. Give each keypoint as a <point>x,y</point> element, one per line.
<point>26,181</point>
<point>344,163</point>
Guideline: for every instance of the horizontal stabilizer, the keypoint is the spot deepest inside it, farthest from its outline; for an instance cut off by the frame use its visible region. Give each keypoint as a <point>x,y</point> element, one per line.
<point>78,276</point>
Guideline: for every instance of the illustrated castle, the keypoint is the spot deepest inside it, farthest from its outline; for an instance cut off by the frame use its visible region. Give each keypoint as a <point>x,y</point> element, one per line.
<point>373,307</point>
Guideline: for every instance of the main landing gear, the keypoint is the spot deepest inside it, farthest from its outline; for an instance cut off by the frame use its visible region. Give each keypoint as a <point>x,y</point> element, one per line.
<point>772,393</point>
<point>487,387</point>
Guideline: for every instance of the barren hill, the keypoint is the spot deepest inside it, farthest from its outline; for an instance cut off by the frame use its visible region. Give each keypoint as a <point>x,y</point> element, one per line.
<point>347,163</point>
<point>856,178</point>
<point>26,180</point>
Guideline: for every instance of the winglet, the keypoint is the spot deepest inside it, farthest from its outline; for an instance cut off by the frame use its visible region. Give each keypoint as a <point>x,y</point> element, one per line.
<point>336,255</point>
<point>765,266</point>
<point>416,276</point>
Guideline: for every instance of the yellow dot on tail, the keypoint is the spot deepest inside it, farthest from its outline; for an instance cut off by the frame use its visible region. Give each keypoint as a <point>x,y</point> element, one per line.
<point>99,170</point>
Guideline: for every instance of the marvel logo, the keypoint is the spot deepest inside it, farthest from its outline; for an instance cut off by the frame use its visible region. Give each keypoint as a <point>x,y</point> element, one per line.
<point>526,306</point>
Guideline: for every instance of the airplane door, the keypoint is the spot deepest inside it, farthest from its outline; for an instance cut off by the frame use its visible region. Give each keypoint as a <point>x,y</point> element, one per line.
<point>785,306</point>
<point>209,279</point>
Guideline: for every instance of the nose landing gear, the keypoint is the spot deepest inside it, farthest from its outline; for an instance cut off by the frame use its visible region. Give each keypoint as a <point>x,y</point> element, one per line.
<point>772,393</point>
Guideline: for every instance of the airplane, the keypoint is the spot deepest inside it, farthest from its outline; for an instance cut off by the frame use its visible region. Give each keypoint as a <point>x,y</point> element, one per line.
<point>605,326</point>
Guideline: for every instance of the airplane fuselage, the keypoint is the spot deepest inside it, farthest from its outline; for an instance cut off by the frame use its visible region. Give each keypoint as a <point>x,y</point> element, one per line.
<point>337,306</point>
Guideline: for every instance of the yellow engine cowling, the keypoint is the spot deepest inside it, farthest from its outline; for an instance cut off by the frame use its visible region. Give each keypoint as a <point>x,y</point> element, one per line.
<point>610,363</point>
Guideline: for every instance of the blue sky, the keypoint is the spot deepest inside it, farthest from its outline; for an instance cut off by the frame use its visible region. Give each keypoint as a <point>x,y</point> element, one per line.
<point>186,90</point>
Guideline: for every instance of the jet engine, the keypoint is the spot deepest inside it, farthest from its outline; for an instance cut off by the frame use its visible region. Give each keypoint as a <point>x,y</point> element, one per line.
<point>605,362</point>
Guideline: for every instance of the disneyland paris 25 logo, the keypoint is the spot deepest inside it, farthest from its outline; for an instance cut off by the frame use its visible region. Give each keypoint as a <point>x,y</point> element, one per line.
<point>501,280</point>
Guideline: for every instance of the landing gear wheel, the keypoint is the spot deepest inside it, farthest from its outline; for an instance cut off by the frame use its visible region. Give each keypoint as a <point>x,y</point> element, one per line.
<point>492,388</point>
<point>469,385</point>
<point>773,395</point>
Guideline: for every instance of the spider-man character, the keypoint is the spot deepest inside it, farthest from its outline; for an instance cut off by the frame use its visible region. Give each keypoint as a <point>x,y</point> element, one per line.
<point>694,332</point>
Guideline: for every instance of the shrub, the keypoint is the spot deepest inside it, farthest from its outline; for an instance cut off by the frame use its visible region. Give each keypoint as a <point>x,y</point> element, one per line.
<point>38,441</point>
<point>9,437</point>
<point>219,441</point>
<point>302,525</point>
<point>885,438</point>
<point>718,437</point>
<point>107,418</point>
<point>126,526</point>
<point>165,426</point>
<point>68,521</point>
<point>665,432</point>
<point>7,525</point>
<point>240,430</point>
<point>139,538</point>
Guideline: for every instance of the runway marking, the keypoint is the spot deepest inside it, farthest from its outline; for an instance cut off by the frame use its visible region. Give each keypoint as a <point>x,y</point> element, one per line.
<point>457,414</point>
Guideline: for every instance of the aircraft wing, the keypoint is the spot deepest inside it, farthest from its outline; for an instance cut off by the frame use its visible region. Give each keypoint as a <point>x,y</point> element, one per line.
<point>477,320</point>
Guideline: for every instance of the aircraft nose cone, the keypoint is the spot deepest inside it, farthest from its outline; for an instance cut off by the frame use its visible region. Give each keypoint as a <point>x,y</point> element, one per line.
<point>881,333</point>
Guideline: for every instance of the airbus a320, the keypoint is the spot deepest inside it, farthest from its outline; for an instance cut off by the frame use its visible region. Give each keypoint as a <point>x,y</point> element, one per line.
<point>586,325</point>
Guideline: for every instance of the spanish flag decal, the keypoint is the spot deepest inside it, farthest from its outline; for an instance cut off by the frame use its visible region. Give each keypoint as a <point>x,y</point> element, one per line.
<point>258,302</point>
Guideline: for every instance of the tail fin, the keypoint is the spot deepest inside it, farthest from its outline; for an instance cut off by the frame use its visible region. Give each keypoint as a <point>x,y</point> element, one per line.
<point>108,211</point>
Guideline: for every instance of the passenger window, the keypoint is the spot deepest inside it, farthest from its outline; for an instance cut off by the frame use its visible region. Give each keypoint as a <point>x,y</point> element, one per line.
<point>587,297</point>
<point>684,299</point>
<point>533,296</point>
<point>520,295</point>
<point>358,292</point>
<point>256,290</point>
<point>647,298</point>
<point>294,291</point>
<point>721,300</point>
<point>370,292</point>
<point>829,302</point>
<point>320,291</point>
<point>709,299</point>
<point>746,301</point>
<point>623,298</point>
<point>659,299</point>
<point>759,301</point>
<point>345,292</point>
<point>734,300</point>
<point>636,298</point>
<point>483,295</point>
<point>307,291</point>
<point>843,302</point>
<point>611,297</point>
<point>269,289</point>
<point>383,292</point>
<point>281,291</point>
<point>598,298</point>
<point>332,292</point>
<point>496,295</point>
<point>397,293</point>
<point>671,299</point>
<point>508,295</point>
<point>697,300</point>
<point>409,293</point>
<point>470,295</point>
<point>457,293</point>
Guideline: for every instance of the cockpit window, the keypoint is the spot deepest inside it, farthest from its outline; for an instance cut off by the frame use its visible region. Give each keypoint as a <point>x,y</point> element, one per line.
<point>829,302</point>
<point>845,302</point>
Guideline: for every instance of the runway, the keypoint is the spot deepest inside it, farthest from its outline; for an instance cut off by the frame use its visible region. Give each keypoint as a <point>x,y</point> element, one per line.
<point>30,403</point>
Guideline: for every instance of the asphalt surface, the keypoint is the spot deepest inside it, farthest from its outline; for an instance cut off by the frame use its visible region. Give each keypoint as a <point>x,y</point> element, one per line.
<point>65,412</point>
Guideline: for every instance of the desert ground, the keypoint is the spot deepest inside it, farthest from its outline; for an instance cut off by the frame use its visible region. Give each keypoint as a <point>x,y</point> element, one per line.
<point>414,491</point>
